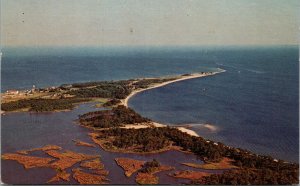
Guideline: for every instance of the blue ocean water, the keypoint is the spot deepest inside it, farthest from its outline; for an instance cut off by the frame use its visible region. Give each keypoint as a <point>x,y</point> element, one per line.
<point>24,67</point>
<point>253,105</point>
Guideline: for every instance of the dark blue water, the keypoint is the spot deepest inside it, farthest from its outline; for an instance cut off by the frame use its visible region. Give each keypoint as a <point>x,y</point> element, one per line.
<point>24,67</point>
<point>253,105</point>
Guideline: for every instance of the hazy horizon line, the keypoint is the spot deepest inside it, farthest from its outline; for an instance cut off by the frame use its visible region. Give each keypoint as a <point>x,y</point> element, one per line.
<point>144,46</point>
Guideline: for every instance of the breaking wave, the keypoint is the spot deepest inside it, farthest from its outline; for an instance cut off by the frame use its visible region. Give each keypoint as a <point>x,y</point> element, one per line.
<point>207,126</point>
<point>239,69</point>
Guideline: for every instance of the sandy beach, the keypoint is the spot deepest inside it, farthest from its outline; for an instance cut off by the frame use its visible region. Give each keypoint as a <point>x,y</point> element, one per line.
<point>155,124</point>
<point>182,78</point>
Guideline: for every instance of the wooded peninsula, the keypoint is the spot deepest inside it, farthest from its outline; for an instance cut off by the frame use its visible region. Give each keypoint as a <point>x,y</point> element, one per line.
<point>111,134</point>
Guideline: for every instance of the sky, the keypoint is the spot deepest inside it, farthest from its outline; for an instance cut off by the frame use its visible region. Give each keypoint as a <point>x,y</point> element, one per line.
<point>149,22</point>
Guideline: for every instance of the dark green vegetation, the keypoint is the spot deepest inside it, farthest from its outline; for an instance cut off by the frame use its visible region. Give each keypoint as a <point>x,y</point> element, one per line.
<point>149,166</point>
<point>142,140</point>
<point>80,92</point>
<point>253,168</point>
<point>145,83</point>
<point>111,103</point>
<point>42,105</point>
<point>113,89</point>
<point>116,117</point>
<point>97,83</point>
<point>248,176</point>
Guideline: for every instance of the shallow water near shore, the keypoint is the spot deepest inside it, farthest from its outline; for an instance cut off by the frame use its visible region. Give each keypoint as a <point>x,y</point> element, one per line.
<point>24,131</point>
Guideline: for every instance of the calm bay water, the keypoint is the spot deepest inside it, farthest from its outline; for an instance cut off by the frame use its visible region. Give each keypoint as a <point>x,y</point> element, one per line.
<point>23,131</point>
<point>253,105</point>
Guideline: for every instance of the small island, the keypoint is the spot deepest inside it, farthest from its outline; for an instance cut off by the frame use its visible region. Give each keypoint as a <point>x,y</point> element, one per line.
<point>60,161</point>
<point>145,170</point>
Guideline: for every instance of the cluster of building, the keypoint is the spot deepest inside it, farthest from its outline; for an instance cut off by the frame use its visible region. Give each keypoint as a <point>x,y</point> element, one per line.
<point>19,93</point>
<point>57,92</point>
<point>30,92</point>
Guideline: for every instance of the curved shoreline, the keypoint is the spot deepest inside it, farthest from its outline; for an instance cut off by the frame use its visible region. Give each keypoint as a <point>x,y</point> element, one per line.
<point>172,79</point>
<point>191,76</point>
<point>183,78</point>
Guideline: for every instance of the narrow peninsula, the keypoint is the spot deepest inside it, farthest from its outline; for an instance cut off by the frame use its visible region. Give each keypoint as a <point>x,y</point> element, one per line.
<point>120,129</point>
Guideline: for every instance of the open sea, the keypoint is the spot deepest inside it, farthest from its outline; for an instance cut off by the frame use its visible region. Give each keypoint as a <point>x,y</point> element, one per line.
<point>253,105</point>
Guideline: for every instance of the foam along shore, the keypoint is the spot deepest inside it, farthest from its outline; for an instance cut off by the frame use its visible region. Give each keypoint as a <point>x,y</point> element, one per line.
<point>179,78</point>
